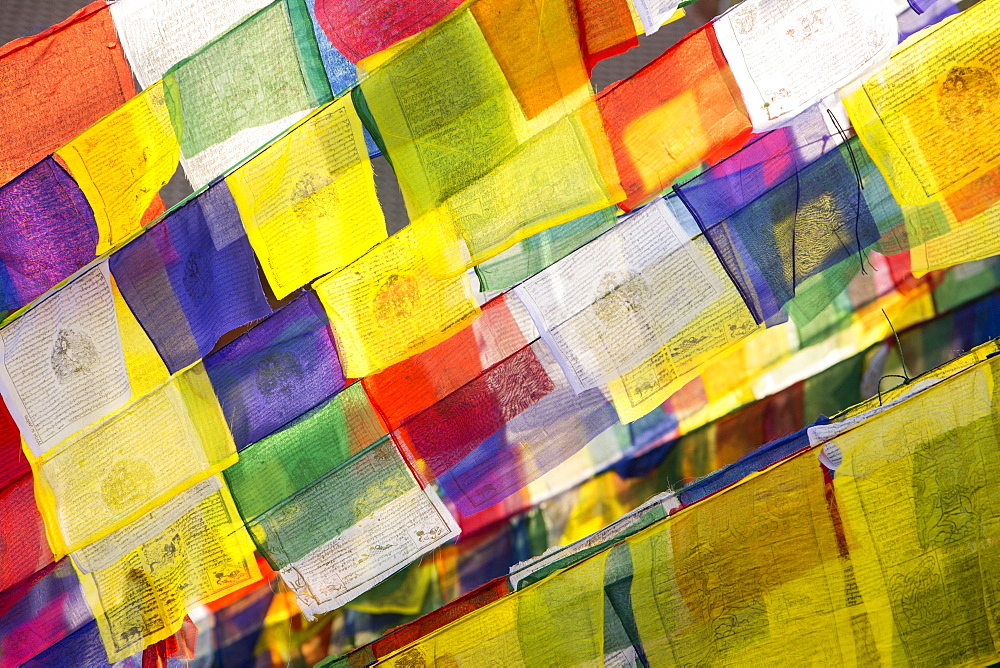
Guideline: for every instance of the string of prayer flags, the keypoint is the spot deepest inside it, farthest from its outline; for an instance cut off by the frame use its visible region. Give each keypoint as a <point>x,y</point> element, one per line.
<point>418,382</point>
<point>926,119</point>
<point>109,474</point>
<point>308,200</point>
<point>679,110</point>
<point>192,278</point>
<point>47,232</point>
<point>244,88</point>
<point>394,281</point>
<point>121,162</point>
<point>531,255</point>
<point>276,467</point>
<point>352,528</point>
<point>157,34</point>
<point>358,30</point>
<point>276,371</point>
<point>56,84</point>
<point>786,56</point>
<point>141,580</point>
<point>602,324</point>
<point>482,158</point>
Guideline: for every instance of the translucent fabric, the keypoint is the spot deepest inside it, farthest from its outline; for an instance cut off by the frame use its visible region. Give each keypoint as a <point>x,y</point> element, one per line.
<point>352,528</point>
<point>605,322</point>
<point>359,29</point>
<point>56,84</point>
<point>13,465</point>
<point>483,123</point>
<point>50,609</point>
<point>276,467</point>
<point>927,119</point>
<point>192,277</point>
<point>308,200</point>
<point>244,88</point>
<point>499,432</point>
<point>194,550</point>
<point>773,236</point>
<point>157,34</point>
<point>679,110</point>
<point>393,280</point>
<point>47,232</point>
<point>122,161</point>
<point>925,558</point>
<point>275,372</point>
<point>415,384</point>
<point>785,56</point>
<point>521,629</point>
<point>108,475</point>
<point>538,251</point>
<point>720,326</point>
<point>606,29</point>
<point>340,71</point>
<point>23,550</point>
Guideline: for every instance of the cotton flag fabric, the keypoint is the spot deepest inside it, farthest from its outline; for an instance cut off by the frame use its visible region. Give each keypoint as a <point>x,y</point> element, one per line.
<point>121,162</point>
<point>158,34</point>
<point>308,200</point>
<point>109,474</point>
<point>194,549</point>
<point>680,109</point>
<point>89,78</point>
<point>276,371</point>
<point>394,280</point>
<point>192,277</point>
<point>785,56</point>
<point>244,88</point>
<point>48,232</point>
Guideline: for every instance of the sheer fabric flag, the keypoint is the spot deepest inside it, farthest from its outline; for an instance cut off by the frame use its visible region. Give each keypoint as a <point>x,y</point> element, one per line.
<point>519,419</point>
<point>469,147</point>
<point>722,324</point>
<point>244,88</point>
<point>56,84</point>
<point>681,109</point>
<point>654,13</point>
<point>785,56</point>
<point>289,460</point>
<point>157,34</point>
<point>47,232</point>
<point>63,362</point>
<point>192,278</point>
<point>121,162</point>
<point>603,323</point>
<point>606,29</point>
<point>352,528</point>
<point>541,250</point>
<point>930,466</point>
<point>13,465</point>
<point>339,70</point>
<point>107,475</point>
<point>518,629</point>
<point>308,200</point>
<point>142,580</point>
<point>360,29</point>
<point>927,119</point>
<point>415,384</point>
<point>275,372</point>
<point>773,236</point>
<point>393,280</point>
<point>23,549</point>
